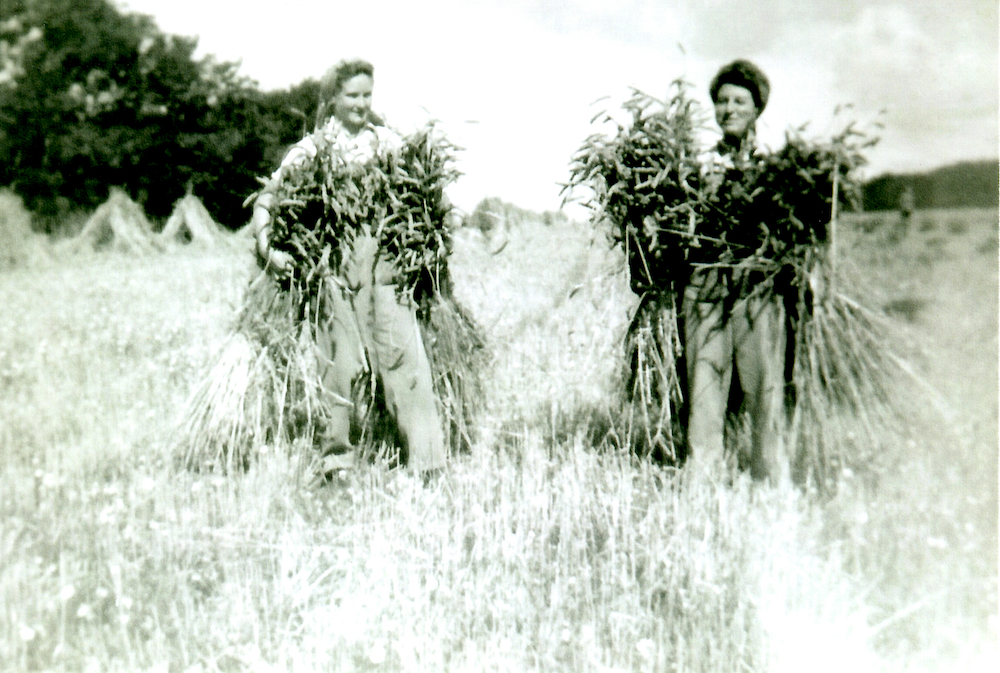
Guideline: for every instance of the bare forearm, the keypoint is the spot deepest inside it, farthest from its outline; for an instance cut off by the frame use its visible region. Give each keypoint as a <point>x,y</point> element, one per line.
<point>261,223</point>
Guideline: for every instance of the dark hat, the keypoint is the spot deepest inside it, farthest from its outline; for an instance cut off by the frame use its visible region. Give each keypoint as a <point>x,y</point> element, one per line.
<point>747,75</point>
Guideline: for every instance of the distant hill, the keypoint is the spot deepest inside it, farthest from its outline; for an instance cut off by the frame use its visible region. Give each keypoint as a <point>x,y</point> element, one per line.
<point>970,184</point>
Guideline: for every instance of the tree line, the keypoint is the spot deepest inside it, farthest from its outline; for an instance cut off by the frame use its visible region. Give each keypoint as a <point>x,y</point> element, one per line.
<point>92,97</point>
<point>970,184</point>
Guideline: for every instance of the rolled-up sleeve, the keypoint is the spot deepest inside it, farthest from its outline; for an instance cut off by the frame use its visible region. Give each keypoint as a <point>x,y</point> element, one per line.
<point>301,151</point>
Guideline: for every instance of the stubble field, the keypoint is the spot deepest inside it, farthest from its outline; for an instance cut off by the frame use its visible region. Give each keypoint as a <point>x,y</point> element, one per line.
<point>538,551</point>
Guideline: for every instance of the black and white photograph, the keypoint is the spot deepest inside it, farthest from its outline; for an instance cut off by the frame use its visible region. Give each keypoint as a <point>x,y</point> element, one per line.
<point>503,336</point>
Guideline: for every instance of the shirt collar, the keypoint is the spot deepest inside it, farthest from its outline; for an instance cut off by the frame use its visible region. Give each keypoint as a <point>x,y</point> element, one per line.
<point>335,128</point>
<point>746,152</point>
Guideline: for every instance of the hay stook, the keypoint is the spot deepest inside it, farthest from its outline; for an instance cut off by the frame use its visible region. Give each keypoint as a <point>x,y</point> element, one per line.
<point>190,223</point>
<point>20,246</point>
<point>118,224</point>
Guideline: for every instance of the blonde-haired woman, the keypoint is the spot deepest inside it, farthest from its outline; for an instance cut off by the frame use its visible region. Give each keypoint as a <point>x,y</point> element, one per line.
<point>365,325</point>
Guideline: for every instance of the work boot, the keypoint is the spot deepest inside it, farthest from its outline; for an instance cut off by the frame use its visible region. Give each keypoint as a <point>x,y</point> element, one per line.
<point>335,460</point>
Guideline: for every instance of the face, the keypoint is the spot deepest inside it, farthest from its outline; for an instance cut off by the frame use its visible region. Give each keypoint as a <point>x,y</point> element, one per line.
<point>353,102</point>
<point>735,111</point>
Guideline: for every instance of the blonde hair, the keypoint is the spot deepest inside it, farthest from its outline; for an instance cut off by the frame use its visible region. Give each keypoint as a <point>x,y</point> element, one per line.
<point>333,81</point>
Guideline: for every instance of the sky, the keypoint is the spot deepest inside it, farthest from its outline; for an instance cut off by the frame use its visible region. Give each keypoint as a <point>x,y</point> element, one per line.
<point>517,82</point>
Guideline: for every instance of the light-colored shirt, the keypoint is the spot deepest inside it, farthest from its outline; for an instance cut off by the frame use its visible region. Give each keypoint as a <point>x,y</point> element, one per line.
<point>354,148</point>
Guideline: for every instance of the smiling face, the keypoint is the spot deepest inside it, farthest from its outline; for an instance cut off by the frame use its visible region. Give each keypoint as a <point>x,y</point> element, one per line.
<point>352,104</point>
<point>735,112</point>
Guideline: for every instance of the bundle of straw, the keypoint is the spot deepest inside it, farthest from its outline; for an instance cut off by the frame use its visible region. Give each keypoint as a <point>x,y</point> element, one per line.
<point>458,357</point>
<point>414,230</point>
<point>842,381</point>
<point>646,182</point>
<point>775,212</point>
<point>653,395</point>
<point>323,202</point>
<point>775,216</point>
<point>670,213</point>
<point>265,388</point>
<point>647,185</point>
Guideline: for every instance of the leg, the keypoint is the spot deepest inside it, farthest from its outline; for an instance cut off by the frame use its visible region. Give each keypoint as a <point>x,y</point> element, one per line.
<point>759,337</point>
<point>341,360</point>
<point>402,365</point>
<point>708,351</point>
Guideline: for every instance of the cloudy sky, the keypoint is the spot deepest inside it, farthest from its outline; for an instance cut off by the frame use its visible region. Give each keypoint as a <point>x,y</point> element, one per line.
<point>515,81</point>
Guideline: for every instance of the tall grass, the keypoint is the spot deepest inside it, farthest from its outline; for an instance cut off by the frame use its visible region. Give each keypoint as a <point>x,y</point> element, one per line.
<point>538,551</point>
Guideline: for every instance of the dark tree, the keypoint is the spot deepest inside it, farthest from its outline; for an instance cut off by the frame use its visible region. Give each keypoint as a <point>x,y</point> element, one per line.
<point>92,98</point>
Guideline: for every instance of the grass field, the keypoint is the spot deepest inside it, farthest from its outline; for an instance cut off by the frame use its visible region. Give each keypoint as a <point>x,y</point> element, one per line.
<point>537,552</point>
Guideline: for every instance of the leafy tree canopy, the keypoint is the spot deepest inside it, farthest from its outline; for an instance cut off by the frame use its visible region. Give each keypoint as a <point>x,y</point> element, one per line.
<point>91,98</point>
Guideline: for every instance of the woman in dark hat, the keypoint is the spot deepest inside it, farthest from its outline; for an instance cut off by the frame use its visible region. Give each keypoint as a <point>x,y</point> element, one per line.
<point>730,324</point>
<point>739,92</point>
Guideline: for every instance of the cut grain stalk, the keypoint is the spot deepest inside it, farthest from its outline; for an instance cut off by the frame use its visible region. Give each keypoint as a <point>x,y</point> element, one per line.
<point>324,204</point>
<point>776,216</point>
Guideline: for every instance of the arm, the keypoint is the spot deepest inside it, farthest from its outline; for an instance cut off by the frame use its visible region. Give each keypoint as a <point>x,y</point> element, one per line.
<point>275,260</point>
